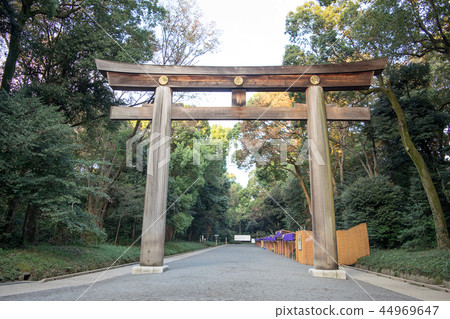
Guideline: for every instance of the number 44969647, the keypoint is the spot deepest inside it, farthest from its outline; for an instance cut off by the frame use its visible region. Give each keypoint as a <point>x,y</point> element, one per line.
<point>409,310</point>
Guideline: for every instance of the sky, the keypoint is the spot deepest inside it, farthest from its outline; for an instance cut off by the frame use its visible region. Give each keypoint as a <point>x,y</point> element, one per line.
<point>252,34</point>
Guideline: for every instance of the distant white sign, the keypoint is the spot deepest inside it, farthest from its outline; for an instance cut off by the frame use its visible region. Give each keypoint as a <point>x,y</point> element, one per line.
<point>242,238</point>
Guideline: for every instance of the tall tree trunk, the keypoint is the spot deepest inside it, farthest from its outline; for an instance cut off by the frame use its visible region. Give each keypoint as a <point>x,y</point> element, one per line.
<point>341,159</point>
<point>17,24</point>
<point>366,168</point>
<point>299,175</point>
<point>117,231</point>
<point>366,156</point>
<point>25,222</point>
<point>11,60</point>
<point>92,202</point>
<point>13,206</point>
<point>375,161</point>
<point>30,225</point>
<point>104,210</point>
<point>442,238</point>
<point>208,231</point>
<point>170,233</point>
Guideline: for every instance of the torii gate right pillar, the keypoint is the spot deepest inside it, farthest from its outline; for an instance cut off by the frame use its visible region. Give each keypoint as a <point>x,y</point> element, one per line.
<point>322,202</point>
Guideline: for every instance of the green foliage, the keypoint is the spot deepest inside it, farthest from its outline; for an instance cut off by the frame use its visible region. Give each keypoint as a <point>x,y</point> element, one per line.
<point>37,172</point>
<point>185,178</point>
<point>399,28</point>
<point>62,69</point>
<point>418,228</point>
<point>238,212</point>
<point>209,210</point>
<point>426,123</point>
<point>296,205</point>
<point>63,187</point>
<point>72,225</point>
<point>375,201</point>
<point>126,207</point>
<point>295,55</point>
<point>336,30</point>
<point>434,264</point>
<point>178,247</point>
<point>403,31</point>
<point>319,28</point>
<point>45,261</point>
<point>182,221</point>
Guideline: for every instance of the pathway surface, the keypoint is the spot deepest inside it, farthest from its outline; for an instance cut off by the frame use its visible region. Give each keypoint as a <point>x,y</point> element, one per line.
<point>233,272</point>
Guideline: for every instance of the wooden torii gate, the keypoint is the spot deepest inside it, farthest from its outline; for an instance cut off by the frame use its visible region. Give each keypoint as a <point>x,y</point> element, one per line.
<point>314,79</point>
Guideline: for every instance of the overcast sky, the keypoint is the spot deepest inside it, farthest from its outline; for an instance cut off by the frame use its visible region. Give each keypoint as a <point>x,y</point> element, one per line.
<point>252,35</point>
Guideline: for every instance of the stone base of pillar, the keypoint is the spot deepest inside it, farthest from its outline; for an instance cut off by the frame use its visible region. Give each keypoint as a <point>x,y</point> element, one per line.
<point>138,270</point>
<point>336,274</point>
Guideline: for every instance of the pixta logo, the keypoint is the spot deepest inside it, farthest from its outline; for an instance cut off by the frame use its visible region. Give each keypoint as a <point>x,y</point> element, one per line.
<point>212,150</point>
<point>159,149</point>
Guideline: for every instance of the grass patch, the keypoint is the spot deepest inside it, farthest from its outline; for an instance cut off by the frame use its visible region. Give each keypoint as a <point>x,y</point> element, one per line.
<point>433,264</point>
<point>45,260</point>
<point>177,247</point>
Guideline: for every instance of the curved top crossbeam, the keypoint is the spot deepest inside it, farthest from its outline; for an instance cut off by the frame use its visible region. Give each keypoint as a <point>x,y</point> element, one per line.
<point>333,77</point>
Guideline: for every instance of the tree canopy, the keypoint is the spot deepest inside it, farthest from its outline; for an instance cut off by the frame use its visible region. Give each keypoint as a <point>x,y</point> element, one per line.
<point>66,174</point>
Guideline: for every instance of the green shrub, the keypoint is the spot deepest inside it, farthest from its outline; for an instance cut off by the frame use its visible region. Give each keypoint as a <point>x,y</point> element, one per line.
<point>45,261</point>
<point>433,263</point>
<point>418,227</point>
<point>375,201</point>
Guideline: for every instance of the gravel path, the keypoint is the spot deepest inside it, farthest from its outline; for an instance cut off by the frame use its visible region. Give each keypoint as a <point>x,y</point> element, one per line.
<point>233,272</point>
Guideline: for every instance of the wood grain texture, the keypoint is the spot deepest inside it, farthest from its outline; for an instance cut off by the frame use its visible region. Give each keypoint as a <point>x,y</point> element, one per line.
<point>238,97</point>
<point>322,202</point>
<point>300,112</point>
<point>155,204</point>
<point>376,65</point>
<point>216,83</point>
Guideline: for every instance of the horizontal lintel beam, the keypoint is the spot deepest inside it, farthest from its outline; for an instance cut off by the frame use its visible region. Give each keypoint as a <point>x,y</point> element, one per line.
<point>376,65</point>
<point>218,83</point>
<point>299,112</point>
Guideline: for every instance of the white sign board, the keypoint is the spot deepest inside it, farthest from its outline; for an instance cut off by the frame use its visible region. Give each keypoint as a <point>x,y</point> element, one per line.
<point>242,238</point>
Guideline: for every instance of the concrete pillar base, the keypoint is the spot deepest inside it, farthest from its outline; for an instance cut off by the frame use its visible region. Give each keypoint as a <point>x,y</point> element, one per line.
<point>138,270</point>
<point>337,274</point>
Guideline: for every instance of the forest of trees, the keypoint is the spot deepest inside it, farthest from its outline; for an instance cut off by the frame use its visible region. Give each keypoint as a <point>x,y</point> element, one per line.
<point>64,176</point>
<point>391,172</point>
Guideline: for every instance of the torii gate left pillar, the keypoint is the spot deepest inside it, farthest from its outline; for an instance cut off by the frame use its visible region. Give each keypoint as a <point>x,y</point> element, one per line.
<point>155,205</point>
<point>322,202</point>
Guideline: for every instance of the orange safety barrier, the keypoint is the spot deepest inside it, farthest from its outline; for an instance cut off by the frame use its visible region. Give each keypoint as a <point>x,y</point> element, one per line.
<point>279,245</point>
<point>352,244</point>
<point>279,248</point>
<point>289,247</point>
<point>304,247</point>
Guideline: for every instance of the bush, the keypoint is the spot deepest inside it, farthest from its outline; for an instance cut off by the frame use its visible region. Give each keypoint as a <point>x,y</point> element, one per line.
<point>418,227</point>
<point>45,261</point>
<point>433,264</point>
<point>39,184</point>
<point>375,201</point>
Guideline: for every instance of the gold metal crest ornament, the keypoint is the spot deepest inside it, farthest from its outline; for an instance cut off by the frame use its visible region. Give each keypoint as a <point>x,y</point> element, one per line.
<point>238,80</point>
<point>314,79</point>
<point>163,80</point>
